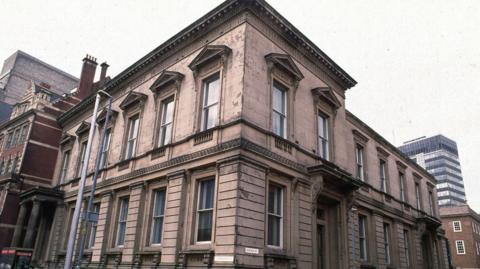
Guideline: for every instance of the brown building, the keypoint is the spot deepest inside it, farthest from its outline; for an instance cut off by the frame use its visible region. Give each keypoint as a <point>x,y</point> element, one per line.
<point>462,229</point>
<point>231,147</point>
<point>29,143</point>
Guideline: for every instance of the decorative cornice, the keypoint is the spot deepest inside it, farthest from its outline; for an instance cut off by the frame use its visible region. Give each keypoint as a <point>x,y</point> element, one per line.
<point>103,115</point>
<point>285,63</point>
<point>208,54</point>
<point>84,127</point>
<point>326,94</point>
<point>131,99</point>
<point>210,20</point>
<point>166,78</point>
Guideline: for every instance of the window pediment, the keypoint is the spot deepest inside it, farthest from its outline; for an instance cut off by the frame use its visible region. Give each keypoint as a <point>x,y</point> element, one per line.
<point>166,78</point>
<point>357,135</point>
<point>326,94</point>
<point>285,63</point>
<point>208,54</point>
<point>84,127</point>
<point>133,98</point>
<point>103,115</point>
<point>66,138</point>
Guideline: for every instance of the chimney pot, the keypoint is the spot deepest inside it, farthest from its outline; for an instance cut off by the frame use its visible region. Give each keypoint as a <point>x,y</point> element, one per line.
<point>103,73</point>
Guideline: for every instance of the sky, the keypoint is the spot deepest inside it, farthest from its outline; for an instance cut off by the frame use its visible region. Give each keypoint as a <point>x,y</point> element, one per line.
<point>416,62</point>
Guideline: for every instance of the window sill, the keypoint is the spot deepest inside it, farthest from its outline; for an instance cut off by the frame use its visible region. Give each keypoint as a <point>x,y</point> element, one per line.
<point>125,164</point>
<point>159,152</point>
<point>275,252</point>
<point>202,247</point>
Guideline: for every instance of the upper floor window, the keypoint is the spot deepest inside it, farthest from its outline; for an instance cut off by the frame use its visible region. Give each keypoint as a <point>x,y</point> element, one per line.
<point>122,222</point>
<point>417,195</point>
<point>323,129</point>
<point>64,167</point>
<point>23,133</point>
<point>205,203</point>
<point>9,140</point>
<point>362,236</point>
<point>383,175</point>
<point>210,102</point>
<point>359,158</point>
<point>166,122</point>
<point>457,226</point>
<point>275,215</point>
<point>430,203</point>
<point>81,158</point>
<point>401,178</point>
<point>279,113</point>
<point>406,247</point>
<point>132,135</point>
<point>157,217</point>
<point>105,147</point>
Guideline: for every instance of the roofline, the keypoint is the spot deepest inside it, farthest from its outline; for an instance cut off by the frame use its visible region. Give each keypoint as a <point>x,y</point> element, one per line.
<point>9,122</point>
<point>200,25</point>
<point>19,52</point>
<point>385,142</point>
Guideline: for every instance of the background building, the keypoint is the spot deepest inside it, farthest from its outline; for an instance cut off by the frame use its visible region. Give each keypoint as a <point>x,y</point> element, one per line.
<point>29,143</point>
<point>17,73</point>
<point>462,228</point>
<point>439,156</point>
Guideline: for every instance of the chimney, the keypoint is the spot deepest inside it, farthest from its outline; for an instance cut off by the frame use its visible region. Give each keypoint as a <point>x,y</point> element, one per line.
<point>87,76</point>
<point>103,73</point>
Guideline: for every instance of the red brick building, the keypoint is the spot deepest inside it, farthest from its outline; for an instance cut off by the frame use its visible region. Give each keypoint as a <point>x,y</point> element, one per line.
<point>29,143</point>
<point>462,228</point>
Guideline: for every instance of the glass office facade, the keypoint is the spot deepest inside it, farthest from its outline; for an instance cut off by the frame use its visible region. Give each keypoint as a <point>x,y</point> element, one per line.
<point>439,156</point>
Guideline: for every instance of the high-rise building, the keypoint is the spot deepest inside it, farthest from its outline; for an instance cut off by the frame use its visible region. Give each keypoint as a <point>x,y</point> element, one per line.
<point>439,156</point>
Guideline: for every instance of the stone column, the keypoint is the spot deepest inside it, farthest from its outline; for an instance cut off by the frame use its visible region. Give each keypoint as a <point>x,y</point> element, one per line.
<point>101,239</point>
<point>32,222</point>
<point>134,211</point>
<point>174,212</point>
<point>17,234</point>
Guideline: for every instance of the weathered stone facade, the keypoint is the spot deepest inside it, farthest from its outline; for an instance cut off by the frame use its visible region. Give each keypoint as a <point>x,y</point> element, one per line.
<point>245,180</point>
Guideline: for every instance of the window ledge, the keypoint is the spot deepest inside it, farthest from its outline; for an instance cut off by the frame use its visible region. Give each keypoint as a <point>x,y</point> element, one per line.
<point>125,164</point>
<point>159,152</point>
<point>203,136</point>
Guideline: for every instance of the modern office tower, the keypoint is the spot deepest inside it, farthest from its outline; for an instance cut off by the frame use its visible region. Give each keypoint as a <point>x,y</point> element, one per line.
<point>439,156</point>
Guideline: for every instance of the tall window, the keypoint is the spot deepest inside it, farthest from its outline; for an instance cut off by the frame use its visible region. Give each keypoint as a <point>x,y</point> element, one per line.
<point>16,134</point>
<point>359,158</point>
<point>105,147</point>
<point>166,122</point>
<point>64,167</point>
<point>406,247</point>
<point>417,195</point>
<point>81,156</point>
<point>210,102</point>
<point>383,175</point>
<point>157,217</point>
<point>430,202</point>
<point>122,222</point>
<point>206,193</point>
<point>323,136</point>
<point>23,133</point>
<point>386,242</point>
<point>9,140</point>
<point>132,134</point>
<point>14,164</point>
<point>279,113</point>
<point>9,166</point>
<point>275,215</point>
<point>93,229</point>
<point>457,226</point>
<point>362,236</point>
<point>460,247</point>
<point>401,177</point>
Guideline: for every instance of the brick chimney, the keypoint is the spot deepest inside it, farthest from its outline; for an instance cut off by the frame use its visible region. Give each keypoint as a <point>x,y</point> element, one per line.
<point>87,76</point>
<point>103,73</point>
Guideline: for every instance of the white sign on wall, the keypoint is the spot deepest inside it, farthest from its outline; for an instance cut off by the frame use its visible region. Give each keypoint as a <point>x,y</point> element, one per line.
<point>252,250</point>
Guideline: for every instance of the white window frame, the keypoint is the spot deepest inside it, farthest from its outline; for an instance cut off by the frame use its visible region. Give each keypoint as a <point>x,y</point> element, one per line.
<point>201,210</point>
<point>282,114</point>
<point>132,136</point>
<point>460,247</point>
<point>401,178</point>
<point>406,247</point>
<point>105,148</point>
<point>323,138</point>
<point>457,226</point>
<point>160,216</point>
<point>122,220</point>
<point>206,107</point>
<point>360,161</point>
<point>81,161</point>
<point>65,164</point>
<point>386,243</point>
<point>383,175</point>
<point>278,216</point>
<point>362,237</point>
<point>163,121</point>
<point>417,195</point>
<point>93,228</point>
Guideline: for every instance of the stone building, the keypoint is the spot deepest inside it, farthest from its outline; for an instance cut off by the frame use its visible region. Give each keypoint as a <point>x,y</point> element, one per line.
<point>17,73</point>
<point>29,143</point>
<point>462,229</point>
<point>230,147</point>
